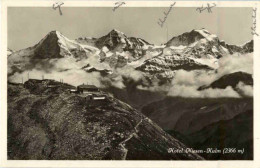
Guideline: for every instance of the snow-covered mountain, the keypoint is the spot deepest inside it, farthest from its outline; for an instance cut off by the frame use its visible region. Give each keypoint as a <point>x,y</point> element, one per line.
<point>53,47</point>
<point>163,67</point>
<point>114,50</point>
<point>202,44</point>
<point>199,44</point>
<point>188,38</point>
<point>248,47</point>
<point>117,49</point>
<point>56,45</point>
<point>116,40</point>
<point>194,50</point>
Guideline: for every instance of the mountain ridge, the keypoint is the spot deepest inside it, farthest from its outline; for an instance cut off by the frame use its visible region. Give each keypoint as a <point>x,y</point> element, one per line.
<point>114,30</point>
<point>117,50</point>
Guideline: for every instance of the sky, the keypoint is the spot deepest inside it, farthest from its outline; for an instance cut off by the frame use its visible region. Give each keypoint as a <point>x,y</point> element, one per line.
<point>28,25</point>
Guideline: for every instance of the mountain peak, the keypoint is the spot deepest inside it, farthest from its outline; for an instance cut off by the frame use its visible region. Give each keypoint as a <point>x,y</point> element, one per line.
<point>205,33</point>
<point>51,45</point>
<point>54,33</point>
<point>115,32</point>
<point>188,38</point>
<point>52,36</point>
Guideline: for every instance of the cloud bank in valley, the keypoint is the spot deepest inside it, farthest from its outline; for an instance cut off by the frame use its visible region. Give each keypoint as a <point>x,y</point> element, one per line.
<point>71,71</point>
<point>234,63</point>
<point>246,90</point>
<point>186,83</point>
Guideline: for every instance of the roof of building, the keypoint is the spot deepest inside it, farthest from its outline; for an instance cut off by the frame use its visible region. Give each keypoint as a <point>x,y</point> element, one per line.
<point>87,86</point>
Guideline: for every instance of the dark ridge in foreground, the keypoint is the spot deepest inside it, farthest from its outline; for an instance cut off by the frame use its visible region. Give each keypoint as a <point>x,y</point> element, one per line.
<point>59,125</point>
<point>202,123</point>
<point>236,133</point>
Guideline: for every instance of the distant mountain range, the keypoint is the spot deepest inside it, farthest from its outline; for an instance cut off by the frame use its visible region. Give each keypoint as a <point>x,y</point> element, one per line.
<point>195,50</point>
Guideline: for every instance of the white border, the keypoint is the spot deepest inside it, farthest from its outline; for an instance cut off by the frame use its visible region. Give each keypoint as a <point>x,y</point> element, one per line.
<point>186,164</point>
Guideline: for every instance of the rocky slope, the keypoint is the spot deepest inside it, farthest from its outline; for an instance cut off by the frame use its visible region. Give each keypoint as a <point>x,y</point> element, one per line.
<point>60,126</point>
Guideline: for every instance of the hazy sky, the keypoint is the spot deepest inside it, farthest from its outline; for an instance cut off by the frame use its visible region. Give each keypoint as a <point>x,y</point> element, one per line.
<point>28,25</point>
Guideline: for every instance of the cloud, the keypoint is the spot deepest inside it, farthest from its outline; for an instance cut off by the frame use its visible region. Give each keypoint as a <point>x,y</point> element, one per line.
<point>73,77</point>
<point>70,70</point>
<point>191,91</point>
<point>193,78</point>
<point>113,81</point>
<point>129,72</point>
<point>121,76</point>
<point>246,90</point>
<point>155,87</point>
<point>213,93</point>
<point>186,84</point>
<point>233,63</point>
